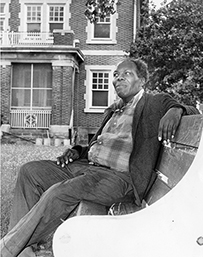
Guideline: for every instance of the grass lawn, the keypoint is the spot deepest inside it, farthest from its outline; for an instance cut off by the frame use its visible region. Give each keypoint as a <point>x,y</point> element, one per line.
<point>12,157</point>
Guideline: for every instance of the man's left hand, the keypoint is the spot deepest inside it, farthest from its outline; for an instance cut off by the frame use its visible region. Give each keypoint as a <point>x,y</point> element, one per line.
<point>169,124</point>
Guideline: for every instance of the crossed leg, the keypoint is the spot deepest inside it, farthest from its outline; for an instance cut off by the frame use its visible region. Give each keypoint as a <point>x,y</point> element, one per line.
<point>89,183</point>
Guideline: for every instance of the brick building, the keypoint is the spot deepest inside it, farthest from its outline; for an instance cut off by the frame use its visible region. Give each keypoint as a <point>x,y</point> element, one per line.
<point>56,66</point>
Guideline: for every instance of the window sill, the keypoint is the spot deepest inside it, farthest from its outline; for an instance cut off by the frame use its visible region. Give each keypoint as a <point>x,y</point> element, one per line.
<point>94,110</point>
<point>101,42</point>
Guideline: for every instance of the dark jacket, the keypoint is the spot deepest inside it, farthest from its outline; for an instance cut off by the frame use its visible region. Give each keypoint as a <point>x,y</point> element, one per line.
<point>148,113</point>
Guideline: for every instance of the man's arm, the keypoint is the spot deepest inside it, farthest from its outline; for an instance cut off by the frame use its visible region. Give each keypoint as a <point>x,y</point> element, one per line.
<point>171,120</point>
<point>72,154</point>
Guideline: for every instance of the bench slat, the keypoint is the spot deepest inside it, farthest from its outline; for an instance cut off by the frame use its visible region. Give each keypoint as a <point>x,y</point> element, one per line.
<point>190,130</point>
<point>174,164</point>
<point>158,190</point>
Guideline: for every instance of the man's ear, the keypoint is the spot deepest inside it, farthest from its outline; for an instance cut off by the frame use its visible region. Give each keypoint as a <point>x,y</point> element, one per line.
<point>142,82</point>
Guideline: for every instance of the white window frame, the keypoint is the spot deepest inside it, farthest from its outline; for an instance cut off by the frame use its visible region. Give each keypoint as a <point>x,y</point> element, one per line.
<point>88,83</point>
<point>64,14</point>
<point>113,30</point>
<point>103,21</point>
<point>45,13</point>
<point>34,21</point>
<point>6,15</point>
<point>31,89</point>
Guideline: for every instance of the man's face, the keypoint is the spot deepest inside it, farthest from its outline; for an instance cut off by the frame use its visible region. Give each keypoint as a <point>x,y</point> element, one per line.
<point>126,82</point>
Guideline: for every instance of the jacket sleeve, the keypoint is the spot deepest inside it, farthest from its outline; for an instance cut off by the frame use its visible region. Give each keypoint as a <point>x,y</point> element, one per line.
<point>190,110</point>
<point>170,102</point>
<point>82,150</point>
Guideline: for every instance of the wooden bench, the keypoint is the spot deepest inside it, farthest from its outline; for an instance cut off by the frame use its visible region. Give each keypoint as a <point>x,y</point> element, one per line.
<point>173,162</point>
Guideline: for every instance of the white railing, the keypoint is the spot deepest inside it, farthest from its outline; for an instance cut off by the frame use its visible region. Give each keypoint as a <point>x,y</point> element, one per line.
<point>26,38</point>
<point>30,119</point>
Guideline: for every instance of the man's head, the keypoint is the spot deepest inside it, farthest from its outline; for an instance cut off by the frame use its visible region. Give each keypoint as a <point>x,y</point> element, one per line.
<point>129,78</point>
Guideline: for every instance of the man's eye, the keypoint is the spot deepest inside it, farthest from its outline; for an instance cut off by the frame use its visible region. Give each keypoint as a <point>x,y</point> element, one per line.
<point>115,75</point>
<point>127,73</point>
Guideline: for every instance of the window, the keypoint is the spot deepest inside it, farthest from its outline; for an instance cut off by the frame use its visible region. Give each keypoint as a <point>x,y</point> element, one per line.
<point>102,28</point>
<point>56,17</point>
<point>43,16</point>
<point>2,16</point>
<point>33,18</point>
<point>99,89</point>
<point>32,86</point>
<point>1,24</point>
<point>103,31</point>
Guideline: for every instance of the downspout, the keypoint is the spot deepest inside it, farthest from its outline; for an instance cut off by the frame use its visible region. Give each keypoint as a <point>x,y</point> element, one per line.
<point>135,13</point>
<point>72,104</point>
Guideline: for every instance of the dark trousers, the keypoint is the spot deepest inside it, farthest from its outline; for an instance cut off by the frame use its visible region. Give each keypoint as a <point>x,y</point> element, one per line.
<point>46,194</point>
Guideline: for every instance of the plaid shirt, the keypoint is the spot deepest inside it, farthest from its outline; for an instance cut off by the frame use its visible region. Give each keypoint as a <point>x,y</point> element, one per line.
<point>114,146</point>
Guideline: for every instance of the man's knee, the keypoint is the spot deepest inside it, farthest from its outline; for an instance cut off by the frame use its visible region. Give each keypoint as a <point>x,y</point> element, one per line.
<point>28,170</point>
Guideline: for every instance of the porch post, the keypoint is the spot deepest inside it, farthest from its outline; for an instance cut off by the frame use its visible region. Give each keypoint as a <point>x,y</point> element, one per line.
<point>5,68</point>
<point>62,97</point>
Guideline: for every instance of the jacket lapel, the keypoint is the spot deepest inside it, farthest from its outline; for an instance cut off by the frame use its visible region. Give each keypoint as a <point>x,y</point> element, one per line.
<point>137,114</point>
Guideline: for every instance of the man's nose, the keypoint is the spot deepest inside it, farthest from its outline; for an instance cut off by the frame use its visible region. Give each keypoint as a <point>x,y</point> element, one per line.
<point>120,77</point>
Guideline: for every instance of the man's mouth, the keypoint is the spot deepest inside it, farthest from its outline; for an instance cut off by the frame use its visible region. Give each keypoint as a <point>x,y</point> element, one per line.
<point>120,85</point>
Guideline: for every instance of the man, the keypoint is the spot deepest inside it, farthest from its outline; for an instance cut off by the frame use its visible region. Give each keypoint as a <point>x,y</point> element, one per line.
<point>117,165</point>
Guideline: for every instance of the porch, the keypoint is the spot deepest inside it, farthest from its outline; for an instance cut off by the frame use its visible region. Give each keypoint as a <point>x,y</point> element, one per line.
<point>38,119</point>
<point>46,39</point>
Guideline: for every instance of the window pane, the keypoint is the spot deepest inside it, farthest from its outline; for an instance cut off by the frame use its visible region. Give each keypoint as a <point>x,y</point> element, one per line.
<point>20,97</point>
<point>42,98</point>
<point>2,8</point>
<point>34,27</point>
<point>33,13</point>
<point>42,76</point>
<point>100,80</point>
<point>99,98</point>
<point>1,24</point>
<point>102,30</point>
<point>56,13</point>
<point>22,75</point>
<point>53,26</point>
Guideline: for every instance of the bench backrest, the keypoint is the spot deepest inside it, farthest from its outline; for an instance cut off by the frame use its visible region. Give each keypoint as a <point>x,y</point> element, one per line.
<point>175,158</point>
<point>174,161</point>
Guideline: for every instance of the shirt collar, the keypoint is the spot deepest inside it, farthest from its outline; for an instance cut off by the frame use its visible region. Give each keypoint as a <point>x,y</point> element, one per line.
<point>133,102</point>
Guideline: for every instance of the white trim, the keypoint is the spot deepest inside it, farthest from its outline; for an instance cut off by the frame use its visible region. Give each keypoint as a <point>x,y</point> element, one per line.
<point>6,14</point>
<point>5,63</point>
<point>134,20</point>
<point>69,63</point>
<point>88,82</point>
<point>45,13</point>
<point>104,52</point>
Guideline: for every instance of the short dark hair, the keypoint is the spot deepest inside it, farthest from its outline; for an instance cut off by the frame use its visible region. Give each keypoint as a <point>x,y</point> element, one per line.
<point>142,68</point>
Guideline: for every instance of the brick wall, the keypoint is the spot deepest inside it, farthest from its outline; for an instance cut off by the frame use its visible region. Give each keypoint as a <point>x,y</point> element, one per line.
<point>5,75</point>
<point>67,95</point>
<point>78,23</point>
<point>63,38</point>
<point>14,9</point>
<point>62,95</point>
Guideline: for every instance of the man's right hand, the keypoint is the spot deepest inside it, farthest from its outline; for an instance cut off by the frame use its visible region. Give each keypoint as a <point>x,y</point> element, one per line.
<point>68,156</point>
